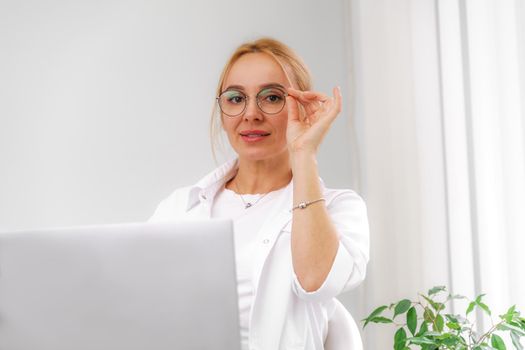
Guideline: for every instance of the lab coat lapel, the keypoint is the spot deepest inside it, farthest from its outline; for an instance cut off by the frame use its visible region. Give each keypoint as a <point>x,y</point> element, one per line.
<point>270,231</point>
<point>270,304</point>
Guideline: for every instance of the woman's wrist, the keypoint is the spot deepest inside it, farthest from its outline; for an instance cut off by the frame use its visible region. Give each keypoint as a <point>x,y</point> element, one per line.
<point>305,177</point>
<point>303,155</point>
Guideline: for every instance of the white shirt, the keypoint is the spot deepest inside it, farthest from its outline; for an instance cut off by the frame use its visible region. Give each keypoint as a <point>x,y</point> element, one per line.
<point>283,315</point>
<point>246,224</point>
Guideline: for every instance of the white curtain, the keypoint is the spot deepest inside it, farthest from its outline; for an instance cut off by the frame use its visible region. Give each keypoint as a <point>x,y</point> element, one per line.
<point>439,112</point>
<point>494,85</point>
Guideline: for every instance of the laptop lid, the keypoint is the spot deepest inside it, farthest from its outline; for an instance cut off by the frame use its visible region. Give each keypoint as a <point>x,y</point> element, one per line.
<point>128,286</point>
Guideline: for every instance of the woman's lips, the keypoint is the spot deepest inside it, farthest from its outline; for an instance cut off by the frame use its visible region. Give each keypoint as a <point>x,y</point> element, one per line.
<point>253,135</point>
<point>250,138</point>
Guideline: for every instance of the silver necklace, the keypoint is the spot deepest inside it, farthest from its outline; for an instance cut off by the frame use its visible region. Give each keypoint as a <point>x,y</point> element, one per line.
<point>248,204</point>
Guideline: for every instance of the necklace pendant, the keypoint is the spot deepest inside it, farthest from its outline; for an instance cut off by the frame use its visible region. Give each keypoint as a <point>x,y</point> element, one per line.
<point>247,205</point>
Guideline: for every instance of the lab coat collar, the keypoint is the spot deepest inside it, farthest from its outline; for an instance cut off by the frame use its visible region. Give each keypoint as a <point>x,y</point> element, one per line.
<point>210,184</point>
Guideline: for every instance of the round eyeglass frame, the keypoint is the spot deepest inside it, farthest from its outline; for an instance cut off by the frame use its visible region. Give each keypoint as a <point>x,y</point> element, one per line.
<point>247,98</point>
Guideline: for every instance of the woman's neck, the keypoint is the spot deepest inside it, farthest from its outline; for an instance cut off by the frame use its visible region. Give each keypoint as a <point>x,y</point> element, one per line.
<point>261,176</point>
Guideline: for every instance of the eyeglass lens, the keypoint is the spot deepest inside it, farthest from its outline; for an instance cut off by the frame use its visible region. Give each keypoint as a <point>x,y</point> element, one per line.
<point>269,100</point>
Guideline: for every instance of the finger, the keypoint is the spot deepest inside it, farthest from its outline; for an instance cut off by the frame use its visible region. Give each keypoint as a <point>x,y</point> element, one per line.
<point>311,101</point>
<point>307,96</point>
<point>314,95</point>
<point>330,109</point>
<point>336,107</point>
<point>293,109</point>
<point>333,107</point>
<point>311,108</point>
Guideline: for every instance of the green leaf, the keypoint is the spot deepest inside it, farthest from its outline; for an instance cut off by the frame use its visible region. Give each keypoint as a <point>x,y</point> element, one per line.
<point>400,339</point>
<point>454,325</point>
<point>516,341</point>
<point>421,340</point>
<point>478,302</point>
<point>518,325</point>
<point>497,342</point>
<point>484,307</point>
<point>451,318</point>
<point>422,330</point>
<point>471,307</point>
<point>510,327</point>
<point>455,296</point>
<point>402,307</point>
<point>452,341</point>
<point>478,299</point>
<point>439,324</point>
<point>432,334</point>
<point>374,313</point>
<point>435,305</point>
<point>378,311</point>
<point>427,347</point>
<point>412,320</point>
<point>437,289</point>
<point>521,322</point>
<point>428,315</point>
<point>510,314</point>
<point>380,319</point>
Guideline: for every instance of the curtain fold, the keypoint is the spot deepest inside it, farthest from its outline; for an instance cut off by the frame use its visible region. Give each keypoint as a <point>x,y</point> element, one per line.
<point>497,147</point>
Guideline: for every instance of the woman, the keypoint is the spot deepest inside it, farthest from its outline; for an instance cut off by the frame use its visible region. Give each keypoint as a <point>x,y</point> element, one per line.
<point>298,244</point>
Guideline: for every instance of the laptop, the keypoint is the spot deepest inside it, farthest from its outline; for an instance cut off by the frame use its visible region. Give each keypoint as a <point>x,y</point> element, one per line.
<point>128,286</point>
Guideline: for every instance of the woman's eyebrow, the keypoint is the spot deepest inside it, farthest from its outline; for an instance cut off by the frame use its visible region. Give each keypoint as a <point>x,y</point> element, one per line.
<point>234,87</point>
<point>263,86</point>
<point>272,85</point>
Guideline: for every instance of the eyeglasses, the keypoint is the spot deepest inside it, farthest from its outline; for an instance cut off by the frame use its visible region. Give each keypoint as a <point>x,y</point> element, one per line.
<point>269,100</point>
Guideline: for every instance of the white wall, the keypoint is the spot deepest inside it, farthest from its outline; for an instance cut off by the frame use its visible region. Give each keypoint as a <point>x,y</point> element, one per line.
<point>104,105</point>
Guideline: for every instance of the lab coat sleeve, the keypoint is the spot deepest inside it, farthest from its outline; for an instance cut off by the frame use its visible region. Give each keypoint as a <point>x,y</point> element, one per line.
<point>161,212</point>
<point>349,215</point>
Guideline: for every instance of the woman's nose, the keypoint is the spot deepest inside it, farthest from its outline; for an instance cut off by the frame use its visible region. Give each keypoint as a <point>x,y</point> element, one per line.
<point>252,110</point>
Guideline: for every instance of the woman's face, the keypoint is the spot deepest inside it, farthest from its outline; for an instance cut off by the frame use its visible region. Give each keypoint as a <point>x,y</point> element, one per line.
<point>254,134</point>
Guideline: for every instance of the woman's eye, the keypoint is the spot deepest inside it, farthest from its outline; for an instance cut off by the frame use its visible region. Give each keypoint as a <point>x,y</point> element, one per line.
<point>235,99</point>
<point>274,98</point>
<point>271,96</point>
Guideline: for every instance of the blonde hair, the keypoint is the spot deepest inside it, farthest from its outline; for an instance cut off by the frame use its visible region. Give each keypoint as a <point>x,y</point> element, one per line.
<point>293,67</point>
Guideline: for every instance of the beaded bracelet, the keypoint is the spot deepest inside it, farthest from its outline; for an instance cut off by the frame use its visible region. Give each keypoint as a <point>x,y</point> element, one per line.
<point>303,205</point>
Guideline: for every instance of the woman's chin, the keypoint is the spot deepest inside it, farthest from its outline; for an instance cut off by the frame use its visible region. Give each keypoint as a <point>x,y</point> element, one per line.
<point>254,155</point>
<point>259,154</point>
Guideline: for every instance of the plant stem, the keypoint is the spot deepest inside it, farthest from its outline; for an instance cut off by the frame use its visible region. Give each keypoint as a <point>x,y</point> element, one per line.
<point>490,331</point>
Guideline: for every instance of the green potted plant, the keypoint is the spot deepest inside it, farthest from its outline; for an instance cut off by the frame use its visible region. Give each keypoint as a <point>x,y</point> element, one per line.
<point>424,324</point>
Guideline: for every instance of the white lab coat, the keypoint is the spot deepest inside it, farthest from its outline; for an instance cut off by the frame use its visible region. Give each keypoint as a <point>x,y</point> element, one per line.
<point>284,315</point>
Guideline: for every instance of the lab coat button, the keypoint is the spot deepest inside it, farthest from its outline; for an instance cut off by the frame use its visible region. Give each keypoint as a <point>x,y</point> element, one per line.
<point>266,241</point>
<point>203,196</point>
